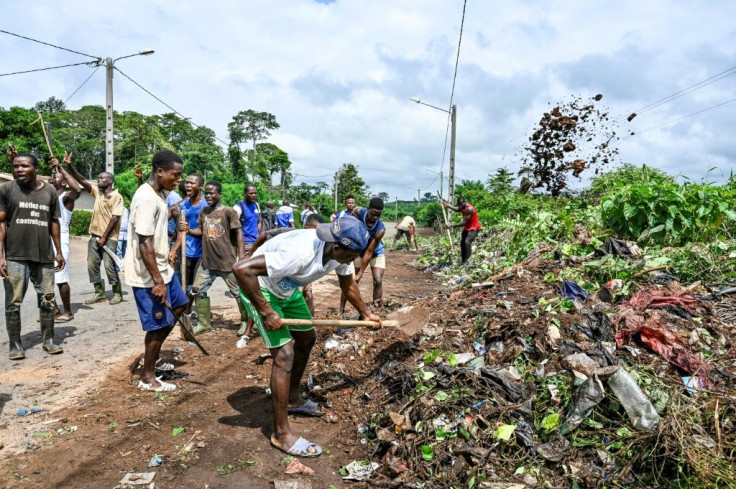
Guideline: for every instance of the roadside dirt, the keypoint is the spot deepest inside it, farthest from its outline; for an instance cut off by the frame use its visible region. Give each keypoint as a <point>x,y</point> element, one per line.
<point>100,426</point>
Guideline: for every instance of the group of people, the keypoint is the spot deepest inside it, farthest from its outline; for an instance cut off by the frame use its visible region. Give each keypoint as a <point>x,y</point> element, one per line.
<point>266,262</point>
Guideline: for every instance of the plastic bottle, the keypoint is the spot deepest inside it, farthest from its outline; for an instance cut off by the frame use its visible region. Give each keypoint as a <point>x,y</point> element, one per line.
<point>637,405</point>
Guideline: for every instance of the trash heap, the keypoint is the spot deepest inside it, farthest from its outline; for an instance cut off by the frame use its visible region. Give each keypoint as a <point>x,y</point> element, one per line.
<point>520,380</point>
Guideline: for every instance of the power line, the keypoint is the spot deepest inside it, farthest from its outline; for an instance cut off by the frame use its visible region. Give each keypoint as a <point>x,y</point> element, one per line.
<point>49,44</point>
<point>692,88</point>
<point>452,92</point>
<point>164,103</point>
<point>689,115</point>
<point>45,69</point>
<point>80,86</point>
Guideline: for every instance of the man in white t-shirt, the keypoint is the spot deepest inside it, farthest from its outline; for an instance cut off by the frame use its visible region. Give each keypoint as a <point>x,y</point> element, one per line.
<point>147,267</point>
<point>270,283</point>
<point>69,191</point>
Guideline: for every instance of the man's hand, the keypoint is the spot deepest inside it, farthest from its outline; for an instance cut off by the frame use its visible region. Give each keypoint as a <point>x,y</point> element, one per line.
<point>184,228</point>
<point>60,261</point>
<point>358,277</point>
<point>67,158</point>
<point>272,321</point>
<point>3,268</point>
<point>12,152</point>
<point>159,292</point>
<point>101,241</point>
<point>369,316</point>
<point>138,172</point>
<point>173,255</point>
<point>54,163</point>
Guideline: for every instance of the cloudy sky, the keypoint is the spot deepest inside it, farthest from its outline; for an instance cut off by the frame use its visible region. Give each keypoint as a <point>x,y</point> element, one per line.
<point>338,75</point>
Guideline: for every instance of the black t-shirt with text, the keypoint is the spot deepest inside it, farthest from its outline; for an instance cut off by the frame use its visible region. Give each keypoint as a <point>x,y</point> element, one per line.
<point>28,219</point>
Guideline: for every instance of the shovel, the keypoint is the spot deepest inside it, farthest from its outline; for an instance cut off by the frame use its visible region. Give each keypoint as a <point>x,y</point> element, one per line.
<point>408,320</point>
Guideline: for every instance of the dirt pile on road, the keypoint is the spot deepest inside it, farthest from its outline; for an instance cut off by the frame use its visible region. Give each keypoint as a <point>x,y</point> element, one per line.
<point>572,137</point>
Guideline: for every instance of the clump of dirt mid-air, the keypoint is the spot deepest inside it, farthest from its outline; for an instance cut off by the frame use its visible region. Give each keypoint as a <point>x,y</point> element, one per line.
<point>571,138</point>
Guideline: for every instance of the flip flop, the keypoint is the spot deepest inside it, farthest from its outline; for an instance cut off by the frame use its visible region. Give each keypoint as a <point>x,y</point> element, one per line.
<point>300,448</point>
<point>309,408</point>
<point>164,387</point>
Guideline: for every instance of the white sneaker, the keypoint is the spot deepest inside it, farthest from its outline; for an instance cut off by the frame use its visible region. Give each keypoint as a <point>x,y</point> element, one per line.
<point>242,342</point>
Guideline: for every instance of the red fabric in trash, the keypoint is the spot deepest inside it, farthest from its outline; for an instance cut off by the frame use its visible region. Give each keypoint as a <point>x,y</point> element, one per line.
<point>653,329</point>
<point>650,298</point>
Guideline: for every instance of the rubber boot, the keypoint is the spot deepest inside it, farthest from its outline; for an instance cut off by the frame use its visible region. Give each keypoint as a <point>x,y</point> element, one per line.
<point>203,315</point>
<point>12,322</point>
<point>99,294</point>
<point>47,329</point>
<point>117,294</point>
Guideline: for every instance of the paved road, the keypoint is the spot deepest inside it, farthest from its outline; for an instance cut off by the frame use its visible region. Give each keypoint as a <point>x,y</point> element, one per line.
<point>119,322</point>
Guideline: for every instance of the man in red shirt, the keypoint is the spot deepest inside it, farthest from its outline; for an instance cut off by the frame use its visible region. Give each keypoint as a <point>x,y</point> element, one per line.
<point>470,223</point>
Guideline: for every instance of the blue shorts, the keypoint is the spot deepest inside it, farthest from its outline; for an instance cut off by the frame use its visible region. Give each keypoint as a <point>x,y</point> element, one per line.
<point>153,314</point>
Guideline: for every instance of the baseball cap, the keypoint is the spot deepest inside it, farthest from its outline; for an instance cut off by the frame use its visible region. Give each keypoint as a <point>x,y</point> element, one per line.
<point>346,231</point>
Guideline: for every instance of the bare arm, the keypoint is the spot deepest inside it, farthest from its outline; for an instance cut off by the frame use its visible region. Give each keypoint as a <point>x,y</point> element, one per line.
<point>247,273</point>
<point>3,261</point>
<point>240,241</point>
<point>56,238</point>
<point>352,293</point>
<point>451,207</point>
<point>149,259</point>
<point>110,226</point>
<point>138,175</point>
<point>79,178</point>
<point>368,255</point>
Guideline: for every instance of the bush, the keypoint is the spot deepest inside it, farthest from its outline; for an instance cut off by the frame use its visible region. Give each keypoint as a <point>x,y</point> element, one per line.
<point>427,214</point>
<point>79,226</point>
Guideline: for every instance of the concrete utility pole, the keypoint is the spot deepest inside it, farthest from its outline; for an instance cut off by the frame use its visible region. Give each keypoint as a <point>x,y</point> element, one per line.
<point>109,133</point>
<point>451,180</point>
<point>453,131</point>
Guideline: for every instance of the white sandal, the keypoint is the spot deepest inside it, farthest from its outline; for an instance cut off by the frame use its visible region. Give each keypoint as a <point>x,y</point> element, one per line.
<point>164,387</point>
<point>160,365</point>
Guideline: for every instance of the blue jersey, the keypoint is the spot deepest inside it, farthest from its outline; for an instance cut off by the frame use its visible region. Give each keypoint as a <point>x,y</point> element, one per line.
<point>171,199</point>
<point>249,215</point>
<point>194,243</point>
<point>372,231</point>
<point>284,217</point>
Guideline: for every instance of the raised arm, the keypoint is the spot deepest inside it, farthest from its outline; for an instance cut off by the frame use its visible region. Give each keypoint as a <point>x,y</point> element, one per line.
<point>79,178</point>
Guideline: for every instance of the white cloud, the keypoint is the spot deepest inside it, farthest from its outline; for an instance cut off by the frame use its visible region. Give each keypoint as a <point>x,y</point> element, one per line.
<point>338,75</point>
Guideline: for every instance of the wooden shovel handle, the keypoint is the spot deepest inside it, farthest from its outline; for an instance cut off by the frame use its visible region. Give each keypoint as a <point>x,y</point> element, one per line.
<point>338,322</point>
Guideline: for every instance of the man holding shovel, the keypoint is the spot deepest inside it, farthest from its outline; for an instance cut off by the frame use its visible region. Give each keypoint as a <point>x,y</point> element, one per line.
<point>470,223</point>
<point>270,283</point>
<point>158,296</point>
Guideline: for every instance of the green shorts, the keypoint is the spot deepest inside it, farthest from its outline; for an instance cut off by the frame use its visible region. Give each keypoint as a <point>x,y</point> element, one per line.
<point>295,307</point>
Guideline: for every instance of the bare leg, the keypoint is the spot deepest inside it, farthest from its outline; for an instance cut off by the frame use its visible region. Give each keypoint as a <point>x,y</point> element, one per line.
<point>65,294</point>
<point>283,362</point>
<point>377,283</point>
<point>303,343</point>
<point>153,342</point>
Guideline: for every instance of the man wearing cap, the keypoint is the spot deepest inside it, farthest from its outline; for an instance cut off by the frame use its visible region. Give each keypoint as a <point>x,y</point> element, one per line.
<point>269,282</point>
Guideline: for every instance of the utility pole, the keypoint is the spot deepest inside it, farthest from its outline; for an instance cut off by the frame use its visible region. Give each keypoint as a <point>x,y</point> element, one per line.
<point>109,133</point>
<point>451,180</point>
<point>109,146</point>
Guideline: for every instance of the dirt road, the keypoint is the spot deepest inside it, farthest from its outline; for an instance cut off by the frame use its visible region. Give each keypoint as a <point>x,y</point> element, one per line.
<point>95,426</point>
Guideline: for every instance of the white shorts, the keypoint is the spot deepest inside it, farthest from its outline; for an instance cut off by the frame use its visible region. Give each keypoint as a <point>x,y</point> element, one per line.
<point>376,262</point>
<point>62,277</point>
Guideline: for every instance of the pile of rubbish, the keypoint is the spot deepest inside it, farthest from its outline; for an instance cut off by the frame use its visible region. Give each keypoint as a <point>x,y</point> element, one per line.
<point>519,382</point>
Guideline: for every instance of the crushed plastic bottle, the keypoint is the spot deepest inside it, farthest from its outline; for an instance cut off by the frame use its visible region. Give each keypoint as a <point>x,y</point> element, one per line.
<point>637,405</point>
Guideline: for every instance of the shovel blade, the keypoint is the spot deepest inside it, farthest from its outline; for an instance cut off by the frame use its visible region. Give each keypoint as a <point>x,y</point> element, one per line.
<point>411,319</point>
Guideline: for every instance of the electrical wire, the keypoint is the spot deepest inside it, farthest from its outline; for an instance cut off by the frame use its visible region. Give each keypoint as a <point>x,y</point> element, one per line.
<point>720,76</point>
<point>45,69</point>
<point>80,86</point>
<point>49,44</point>
<point>452,93</point>
<point>164,103</point>
<point>689,115</point>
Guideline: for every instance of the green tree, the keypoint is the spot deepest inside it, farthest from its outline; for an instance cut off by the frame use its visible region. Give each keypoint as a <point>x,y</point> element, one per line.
<point>83,133</point>
<point>383,196</point>
<point>349,183</point>
<point>500,182</point>
<point>249,126</point>
<point>17,127</point>
<point>50,106</point>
